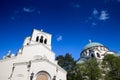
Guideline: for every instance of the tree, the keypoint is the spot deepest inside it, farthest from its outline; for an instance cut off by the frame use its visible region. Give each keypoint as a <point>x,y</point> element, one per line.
<point>94,71</point>
<point>89,70</point>
<point>111,67</point>
<point>60,59</point>
<point>81,71</point>
<point>68,63</point>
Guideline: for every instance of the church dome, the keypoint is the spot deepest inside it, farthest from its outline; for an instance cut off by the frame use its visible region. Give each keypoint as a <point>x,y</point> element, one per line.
<point>92,44</point>
<point>82,60</point>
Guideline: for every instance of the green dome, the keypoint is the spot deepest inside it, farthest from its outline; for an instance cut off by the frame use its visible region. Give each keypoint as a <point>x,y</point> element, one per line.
<point>118,54</point>
<point>80,61</point>
<point>92,44</point>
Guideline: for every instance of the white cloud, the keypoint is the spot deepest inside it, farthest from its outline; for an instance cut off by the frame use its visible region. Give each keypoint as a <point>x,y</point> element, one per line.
<point>94,24</point>
<point>38,12</point>
<point>97,16</point>
<point>103,15</point>
<point>29,10</point>
<point>118,0</point>
<point>100,15</point>
<point>16,12</point>
<point>95,12</point>
<point>13,18</point>
<point>59,38</point>
<point>107,1</point>
<point>75,5</point>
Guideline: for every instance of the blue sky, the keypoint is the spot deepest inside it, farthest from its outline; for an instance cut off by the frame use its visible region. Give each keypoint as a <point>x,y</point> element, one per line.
<point>71,22</point>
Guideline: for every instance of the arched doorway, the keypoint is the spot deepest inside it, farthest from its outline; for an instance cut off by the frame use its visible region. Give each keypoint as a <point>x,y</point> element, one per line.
<point>43,76</point>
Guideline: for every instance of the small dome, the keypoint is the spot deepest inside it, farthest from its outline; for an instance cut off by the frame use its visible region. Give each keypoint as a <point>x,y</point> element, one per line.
<point>80,61</point>
<point>92,44</point>
<point>117,55</point>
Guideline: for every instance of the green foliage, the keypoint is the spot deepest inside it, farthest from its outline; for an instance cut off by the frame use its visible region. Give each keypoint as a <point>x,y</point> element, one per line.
<point>81,71</point>
<point>109,69</point>
<point>60,59</point>
<point>111,65</point>
<point>68,63</point>
<point>89,70</point>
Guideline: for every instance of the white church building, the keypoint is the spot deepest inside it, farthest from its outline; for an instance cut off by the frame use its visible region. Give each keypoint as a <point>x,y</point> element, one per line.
<point>34,61</point>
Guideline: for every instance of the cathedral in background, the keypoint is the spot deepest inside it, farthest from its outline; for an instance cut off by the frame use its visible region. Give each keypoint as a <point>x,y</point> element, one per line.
<point>94,50</point>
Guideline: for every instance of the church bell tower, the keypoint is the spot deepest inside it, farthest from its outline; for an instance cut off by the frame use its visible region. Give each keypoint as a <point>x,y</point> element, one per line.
<point>39,37</point>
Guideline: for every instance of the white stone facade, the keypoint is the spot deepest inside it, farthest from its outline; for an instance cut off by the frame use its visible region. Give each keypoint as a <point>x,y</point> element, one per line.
<point>34,61</point>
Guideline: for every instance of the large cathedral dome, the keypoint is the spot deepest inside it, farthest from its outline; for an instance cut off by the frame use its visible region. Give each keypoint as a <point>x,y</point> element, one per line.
<point>92,44</point>
<point>93,49</point>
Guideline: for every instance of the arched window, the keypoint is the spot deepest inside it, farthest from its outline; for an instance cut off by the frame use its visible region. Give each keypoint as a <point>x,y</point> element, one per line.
<point>92,55</point>
<point>45,41</point>
<point>98,55</point>
<point>43,76</point>
<point>37,38</point>
<point>41,39</point>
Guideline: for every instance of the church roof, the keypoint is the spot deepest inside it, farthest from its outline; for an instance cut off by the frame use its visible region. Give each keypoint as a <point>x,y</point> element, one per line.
<point>80,61</point>
<point>118,54</point>
<point>92,44</point>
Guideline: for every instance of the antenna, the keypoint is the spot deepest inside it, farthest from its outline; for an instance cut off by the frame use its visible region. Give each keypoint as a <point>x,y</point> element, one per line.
<point>90,40</point>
